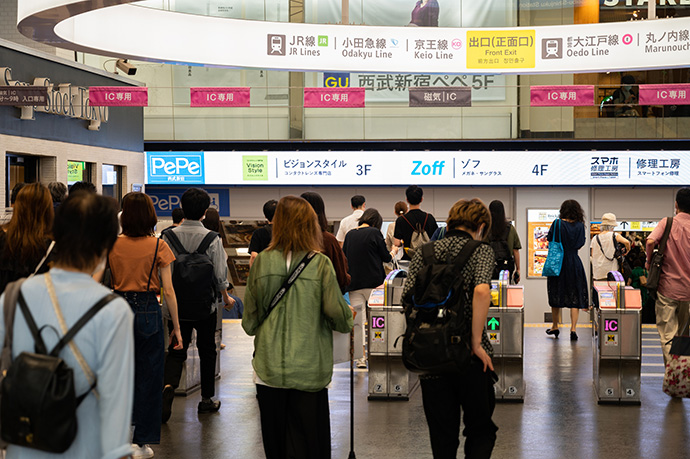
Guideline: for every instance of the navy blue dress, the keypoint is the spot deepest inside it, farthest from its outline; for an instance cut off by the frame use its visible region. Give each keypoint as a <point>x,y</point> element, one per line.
<point>569,290</point>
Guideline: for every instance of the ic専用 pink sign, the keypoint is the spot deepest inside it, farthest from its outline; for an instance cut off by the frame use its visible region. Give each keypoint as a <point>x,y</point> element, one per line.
<point>118,96</point>
<point>334,97</point>
<point>665,94</point>
<point>219,97</point>
<point>561,96</point>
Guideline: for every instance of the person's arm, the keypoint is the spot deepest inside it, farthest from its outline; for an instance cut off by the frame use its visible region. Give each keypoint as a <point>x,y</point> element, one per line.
<point>651,243</point>
<point>116,382</point>
<point>481,300</point>
<point>385,255</point>
<point>624,241</point>
<point>340,235</point>
<point>516,256</point>
<point>250,317</point>
<point>168,292</point>
<point>398,233</point>
<point>433,15</point>
<point>220,269</point>
<point>252,257</point>
<point>334,307</point>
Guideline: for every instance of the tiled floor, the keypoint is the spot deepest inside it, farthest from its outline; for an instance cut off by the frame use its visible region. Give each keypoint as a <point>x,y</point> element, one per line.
<point>559,418</point>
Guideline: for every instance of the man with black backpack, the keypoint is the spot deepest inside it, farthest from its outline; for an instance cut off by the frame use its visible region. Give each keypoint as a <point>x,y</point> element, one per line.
<point>446,298</point>
<point>416,227</point>
<point>199,277</point>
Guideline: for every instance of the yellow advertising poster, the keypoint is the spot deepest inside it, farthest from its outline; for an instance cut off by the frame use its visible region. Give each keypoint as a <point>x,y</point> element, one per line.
<point>538,224</point>
<point>500,49</point>
<point>75,171</point>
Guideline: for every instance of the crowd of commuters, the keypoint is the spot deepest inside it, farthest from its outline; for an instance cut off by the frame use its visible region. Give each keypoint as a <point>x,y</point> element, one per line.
<point>301,279</point>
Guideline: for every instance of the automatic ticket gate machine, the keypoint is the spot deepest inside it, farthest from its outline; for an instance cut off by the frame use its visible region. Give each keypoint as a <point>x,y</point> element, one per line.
<point>617,341</point>
<point>504,326</point>
<point>388,377</point>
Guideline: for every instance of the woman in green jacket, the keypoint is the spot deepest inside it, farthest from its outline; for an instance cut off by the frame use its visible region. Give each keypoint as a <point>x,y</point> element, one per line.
<point>293,358</point>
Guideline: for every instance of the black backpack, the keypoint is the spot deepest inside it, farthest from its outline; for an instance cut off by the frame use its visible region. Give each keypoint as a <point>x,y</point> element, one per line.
<point>39,404</point>
<point>435,315</point>
<point>502,254</point>
<point>193,278</point>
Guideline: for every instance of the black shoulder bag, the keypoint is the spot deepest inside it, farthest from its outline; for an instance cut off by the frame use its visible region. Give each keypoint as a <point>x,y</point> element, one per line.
<point>288,283</point>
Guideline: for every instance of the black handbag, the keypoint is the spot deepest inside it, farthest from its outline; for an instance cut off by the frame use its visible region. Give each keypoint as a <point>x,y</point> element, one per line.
<point>39,404</point>
<point>657,260</point>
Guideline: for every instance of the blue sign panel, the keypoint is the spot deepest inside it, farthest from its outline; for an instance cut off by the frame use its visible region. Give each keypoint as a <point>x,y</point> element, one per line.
<point>178,167</point>
<point>336,80</point>
<point>165,199</point>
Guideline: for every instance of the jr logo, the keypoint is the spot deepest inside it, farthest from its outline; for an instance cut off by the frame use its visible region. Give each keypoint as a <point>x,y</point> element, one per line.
<point>428,169</point>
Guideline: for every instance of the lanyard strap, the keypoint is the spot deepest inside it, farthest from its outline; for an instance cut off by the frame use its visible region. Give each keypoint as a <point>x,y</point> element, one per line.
<point>288,283</point>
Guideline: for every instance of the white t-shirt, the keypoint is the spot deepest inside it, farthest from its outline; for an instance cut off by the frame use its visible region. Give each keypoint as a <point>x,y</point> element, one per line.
<point>601,263</point>
<point>348,223</point>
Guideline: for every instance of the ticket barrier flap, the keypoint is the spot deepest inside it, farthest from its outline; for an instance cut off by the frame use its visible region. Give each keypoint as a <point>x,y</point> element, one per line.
<point>388,377</point>
<point>505,329</point>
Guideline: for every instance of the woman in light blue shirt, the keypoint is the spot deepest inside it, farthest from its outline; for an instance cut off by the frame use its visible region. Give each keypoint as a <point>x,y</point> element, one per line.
<point>85,229</point>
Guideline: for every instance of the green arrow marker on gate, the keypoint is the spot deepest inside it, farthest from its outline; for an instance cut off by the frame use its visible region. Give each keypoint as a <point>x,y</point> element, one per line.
<point>493,323</point>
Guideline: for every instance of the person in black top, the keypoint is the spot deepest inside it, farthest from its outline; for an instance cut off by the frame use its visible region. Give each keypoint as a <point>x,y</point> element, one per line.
<point>446,396</point>
<point>25,243</point>
<point>261,237</point>
<point>366,252</point>
<point>177,217</point>
<point>405,224</point>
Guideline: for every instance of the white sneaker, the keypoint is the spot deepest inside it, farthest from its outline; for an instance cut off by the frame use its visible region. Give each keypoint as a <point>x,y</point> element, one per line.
<point>361,363</point>
<point>142,452</point>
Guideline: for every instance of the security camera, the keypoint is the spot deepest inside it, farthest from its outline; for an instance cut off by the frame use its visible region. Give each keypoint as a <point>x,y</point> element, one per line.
<point>126,67</point>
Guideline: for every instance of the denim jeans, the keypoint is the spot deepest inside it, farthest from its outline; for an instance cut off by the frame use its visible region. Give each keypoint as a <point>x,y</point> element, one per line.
<point>149,358</point>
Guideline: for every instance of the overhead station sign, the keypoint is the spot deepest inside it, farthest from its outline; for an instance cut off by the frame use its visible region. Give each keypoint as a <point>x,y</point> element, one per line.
<point>491,168</point>
<point>168,36</point>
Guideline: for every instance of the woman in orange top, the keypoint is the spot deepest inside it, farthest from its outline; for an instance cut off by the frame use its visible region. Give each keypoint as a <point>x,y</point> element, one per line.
<point>135,261</point>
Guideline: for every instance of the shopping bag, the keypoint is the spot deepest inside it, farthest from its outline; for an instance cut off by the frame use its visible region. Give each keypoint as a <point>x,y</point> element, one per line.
<point>677,375</point>
<point>554,258</point>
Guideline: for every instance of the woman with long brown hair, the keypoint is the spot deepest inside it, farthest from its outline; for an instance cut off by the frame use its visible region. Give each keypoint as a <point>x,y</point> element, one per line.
<point>212,221</point>
<point>27,237</point>
<point>293,357</point>
<point>331,246</point>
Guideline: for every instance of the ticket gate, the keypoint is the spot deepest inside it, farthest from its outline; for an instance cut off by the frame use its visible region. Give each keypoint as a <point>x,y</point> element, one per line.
<point>388,377</point>
<point>617,342</point>
<point>505,325</point>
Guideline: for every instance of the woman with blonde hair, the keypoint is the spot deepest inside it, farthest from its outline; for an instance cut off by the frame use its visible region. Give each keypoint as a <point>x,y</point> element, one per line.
<point>26,239</point>
<point>446,395</point>
<point>293,326</point>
